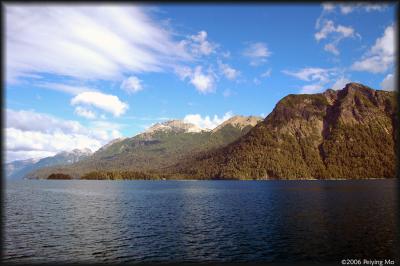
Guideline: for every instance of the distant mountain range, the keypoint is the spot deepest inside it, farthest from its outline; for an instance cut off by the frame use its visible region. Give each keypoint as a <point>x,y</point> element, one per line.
<point>19,169</point>
<point>349,133</point>
<point>162,145</point>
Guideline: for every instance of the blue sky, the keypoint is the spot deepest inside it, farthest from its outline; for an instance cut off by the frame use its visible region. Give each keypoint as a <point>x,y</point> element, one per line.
<point>80,76</point>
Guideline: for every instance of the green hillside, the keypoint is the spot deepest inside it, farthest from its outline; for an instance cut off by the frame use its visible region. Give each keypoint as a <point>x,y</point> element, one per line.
<point>337,134</point>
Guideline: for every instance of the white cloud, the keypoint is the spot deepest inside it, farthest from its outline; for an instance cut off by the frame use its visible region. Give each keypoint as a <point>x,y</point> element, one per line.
<point>201,45</point>
<point>183,72</point>
<point>204,83</point>
<point>374,7</point>
<point>86,41</point>
<point>228,71</point>
<point>335,34</point>
<point>346,9</point>
<point>340,83</point>
<point>132,84</point>
<point>311,74</point>
<point>381,56</point>
<point>27,120</point>
<point>198,44</point>
<point>349,8</point>
<point>319,76</point>
<point>106,102</point>
<point>206,122</point>
<point>81,111</point>
<point>30,134</point>
<point>389,83</point>
<point>257,52</point>
<point>328,7</point>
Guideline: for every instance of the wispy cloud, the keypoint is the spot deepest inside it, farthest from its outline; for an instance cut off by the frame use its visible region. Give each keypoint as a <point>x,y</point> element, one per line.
<point>348,8</point>
<point>70,89</point>
<point>351,7</point>
<point>86,41</point>
<point>318,76</point>
<point>257,53</point>
<point>198,45</point>
<point>334,34</point>
<point>310,74</point>
<point>267,73</point>
<point>228,71</point>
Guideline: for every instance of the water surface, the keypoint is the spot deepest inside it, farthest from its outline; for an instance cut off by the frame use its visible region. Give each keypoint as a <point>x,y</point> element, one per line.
<point>197,221</point>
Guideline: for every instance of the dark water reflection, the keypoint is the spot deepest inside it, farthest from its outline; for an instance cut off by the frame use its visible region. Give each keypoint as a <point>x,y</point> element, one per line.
<point>175,221</point>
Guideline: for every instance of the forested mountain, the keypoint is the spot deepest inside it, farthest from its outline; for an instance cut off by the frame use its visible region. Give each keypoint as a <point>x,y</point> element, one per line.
<point>350,133</point>
<point>162,145</point>
<point>19,169</point>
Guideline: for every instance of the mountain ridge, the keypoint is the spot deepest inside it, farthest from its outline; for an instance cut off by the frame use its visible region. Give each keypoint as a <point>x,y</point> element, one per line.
<point>18,169</point>
<point>160,146</point>
<point>350,133</point>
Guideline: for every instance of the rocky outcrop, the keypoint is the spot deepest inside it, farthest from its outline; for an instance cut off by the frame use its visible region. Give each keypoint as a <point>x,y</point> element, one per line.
<point>239,121</point>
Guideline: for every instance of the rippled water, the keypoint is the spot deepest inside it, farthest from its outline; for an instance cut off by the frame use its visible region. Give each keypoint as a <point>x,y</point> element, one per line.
<point>196,221</point>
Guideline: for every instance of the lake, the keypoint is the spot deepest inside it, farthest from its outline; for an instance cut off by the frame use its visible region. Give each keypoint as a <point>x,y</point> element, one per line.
<point>82,221</point>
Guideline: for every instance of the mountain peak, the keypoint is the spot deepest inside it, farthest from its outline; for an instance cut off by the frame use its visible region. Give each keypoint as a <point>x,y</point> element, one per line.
<point>76,152</point>
<point>177,126</point>
<point>239,121</point>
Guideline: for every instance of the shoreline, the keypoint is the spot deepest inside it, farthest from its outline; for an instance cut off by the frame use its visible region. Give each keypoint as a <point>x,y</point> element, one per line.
<point>193,180</point>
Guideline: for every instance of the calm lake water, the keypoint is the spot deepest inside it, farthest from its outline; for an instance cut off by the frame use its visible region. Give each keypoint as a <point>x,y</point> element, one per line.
<point>197,221</point>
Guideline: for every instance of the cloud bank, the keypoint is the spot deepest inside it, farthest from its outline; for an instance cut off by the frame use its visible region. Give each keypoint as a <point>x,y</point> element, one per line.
<point>35,135</point>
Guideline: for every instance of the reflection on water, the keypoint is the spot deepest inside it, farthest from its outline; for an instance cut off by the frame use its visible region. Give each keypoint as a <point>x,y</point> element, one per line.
<point>171,221</point>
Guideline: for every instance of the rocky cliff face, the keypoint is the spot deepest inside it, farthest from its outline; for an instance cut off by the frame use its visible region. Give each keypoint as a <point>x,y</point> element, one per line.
<point>239,121</point>
<point>349,133</point>
<point>175,126</point>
